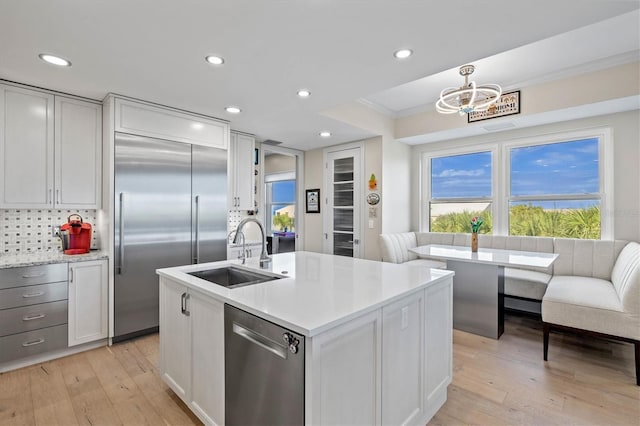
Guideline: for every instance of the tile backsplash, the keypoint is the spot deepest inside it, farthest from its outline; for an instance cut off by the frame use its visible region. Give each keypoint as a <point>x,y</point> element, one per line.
<point>30,230</point>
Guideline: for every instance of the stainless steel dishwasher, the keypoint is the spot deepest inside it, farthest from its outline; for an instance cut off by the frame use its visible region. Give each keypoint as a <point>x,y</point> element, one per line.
<point>264,371</point>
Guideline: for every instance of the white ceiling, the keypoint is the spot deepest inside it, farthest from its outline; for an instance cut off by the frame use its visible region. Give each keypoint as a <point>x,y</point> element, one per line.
<point>341,50</point>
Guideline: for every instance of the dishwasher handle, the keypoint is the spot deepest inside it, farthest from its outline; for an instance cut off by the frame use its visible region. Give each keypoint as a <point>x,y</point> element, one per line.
<point>260,340</point>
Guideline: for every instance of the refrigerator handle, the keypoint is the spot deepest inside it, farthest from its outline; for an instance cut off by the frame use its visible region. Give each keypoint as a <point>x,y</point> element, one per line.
<point>121,238</point>
<point>197,230</point>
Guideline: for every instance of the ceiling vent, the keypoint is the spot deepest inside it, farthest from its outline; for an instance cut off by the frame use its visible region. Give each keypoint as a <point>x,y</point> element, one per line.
<point>271,142</point>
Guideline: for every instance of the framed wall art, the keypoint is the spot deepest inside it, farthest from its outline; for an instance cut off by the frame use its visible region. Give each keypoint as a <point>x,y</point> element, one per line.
<point>508,104</point>
<point>313,200</point>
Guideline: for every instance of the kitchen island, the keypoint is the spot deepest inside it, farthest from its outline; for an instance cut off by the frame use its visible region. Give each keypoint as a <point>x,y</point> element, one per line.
<point>376,336</point>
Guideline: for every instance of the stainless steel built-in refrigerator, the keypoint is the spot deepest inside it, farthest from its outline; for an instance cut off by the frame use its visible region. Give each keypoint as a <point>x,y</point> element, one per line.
<point>170,210</point>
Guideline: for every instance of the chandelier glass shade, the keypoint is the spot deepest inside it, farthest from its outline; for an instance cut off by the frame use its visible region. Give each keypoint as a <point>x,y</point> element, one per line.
<point>469,97</point>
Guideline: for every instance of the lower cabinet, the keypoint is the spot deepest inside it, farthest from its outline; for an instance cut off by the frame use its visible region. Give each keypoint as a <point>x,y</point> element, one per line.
<point>88,301</point>
<point>393,364</point>
<point>388,366</point>
<point>192,349</point>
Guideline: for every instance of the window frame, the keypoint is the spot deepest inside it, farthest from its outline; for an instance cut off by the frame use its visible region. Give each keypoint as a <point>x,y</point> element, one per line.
<point>425,203</point>
<point>276,178</point>
<point>605,173</point>
<point>501,176</point>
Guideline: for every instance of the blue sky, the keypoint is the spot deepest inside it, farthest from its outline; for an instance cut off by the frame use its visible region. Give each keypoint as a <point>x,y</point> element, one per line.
<point>559,168</point>
<point>284,191</point>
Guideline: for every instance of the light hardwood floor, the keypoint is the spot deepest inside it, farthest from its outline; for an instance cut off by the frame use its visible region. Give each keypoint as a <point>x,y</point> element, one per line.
<point>495,382</point>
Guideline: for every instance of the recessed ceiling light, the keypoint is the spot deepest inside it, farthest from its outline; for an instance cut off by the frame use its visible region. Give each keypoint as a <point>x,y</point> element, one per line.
<point>233,110</point>
<point>402,53</point>
<point>215,60</point>
<point>325,134</point>
<point>304,93</point>
<point>55,60</point>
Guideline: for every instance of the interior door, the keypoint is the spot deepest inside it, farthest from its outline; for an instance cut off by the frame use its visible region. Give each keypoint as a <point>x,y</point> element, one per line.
<point>342,220</point>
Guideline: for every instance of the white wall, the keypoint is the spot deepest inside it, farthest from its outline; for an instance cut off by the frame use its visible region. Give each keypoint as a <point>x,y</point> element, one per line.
<point>313,178</point>
<point>626,146</point>
<point>278,163</point>
<point>396,187</point>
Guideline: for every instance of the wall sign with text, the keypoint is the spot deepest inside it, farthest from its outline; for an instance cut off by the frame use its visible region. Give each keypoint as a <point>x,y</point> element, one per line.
<point>508,104</point>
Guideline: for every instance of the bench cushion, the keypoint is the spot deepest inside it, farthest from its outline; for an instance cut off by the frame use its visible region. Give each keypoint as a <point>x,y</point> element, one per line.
<point>626,279</point>
<point>586,258</point>
<point>394,248</point>
<point>524,283</point>
<point>587,303</point>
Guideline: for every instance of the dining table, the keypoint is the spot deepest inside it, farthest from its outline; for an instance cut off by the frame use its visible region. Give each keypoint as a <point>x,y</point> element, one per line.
<point>478,283</point>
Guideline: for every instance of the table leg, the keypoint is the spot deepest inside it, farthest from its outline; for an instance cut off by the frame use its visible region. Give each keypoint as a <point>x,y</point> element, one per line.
<point>478,298</point>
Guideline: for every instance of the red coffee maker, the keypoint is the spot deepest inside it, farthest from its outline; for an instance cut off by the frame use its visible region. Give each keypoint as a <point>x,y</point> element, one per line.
<point>79,235</point>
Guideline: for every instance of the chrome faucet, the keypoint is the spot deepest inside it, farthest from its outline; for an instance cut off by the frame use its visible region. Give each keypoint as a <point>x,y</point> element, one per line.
<point>243,253</point>
<point>265,260</point>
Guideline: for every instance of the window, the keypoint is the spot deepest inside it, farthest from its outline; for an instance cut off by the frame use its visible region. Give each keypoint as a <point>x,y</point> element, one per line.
<point>460,188</point>
<point>555,189</point>
<point>554,185</point>
<point>281,204</point>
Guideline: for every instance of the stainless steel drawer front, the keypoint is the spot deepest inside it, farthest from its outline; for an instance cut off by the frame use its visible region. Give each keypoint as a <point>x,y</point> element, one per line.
<point>32,275</point>
<point>33,294</point>
<point>26,318</point>
<point>35,342</point>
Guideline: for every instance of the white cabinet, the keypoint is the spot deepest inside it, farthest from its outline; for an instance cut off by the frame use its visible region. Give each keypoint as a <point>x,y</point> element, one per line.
<point>192,349</point>
<point>207,358</point>
<point>344,366</point>
<point>78,154</point>
<point>88,301</point>
<point>438,345</point>
<point>148,120</point>
<point>403,361</point>
<point>241,172</point>
<point>394,364</point>
<point>175,359</point>
<point>50,150</point>
<point>26,148</point>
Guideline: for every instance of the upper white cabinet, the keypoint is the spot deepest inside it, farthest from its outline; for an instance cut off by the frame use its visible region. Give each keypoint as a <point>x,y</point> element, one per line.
<point>163,123</point>
<point>50,150</point>
<point>78,158</point>
<point>241,172</point>
<point>88,301</point>
<point>26,148</point>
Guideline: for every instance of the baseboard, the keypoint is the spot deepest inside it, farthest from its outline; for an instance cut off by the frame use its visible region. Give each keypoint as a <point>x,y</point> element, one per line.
<point>37,359</point>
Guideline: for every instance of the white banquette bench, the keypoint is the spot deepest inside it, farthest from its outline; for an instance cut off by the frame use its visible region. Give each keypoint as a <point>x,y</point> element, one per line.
<point>593,287</point>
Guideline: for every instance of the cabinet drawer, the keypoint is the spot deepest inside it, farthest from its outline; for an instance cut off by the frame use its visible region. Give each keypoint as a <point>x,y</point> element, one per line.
<point>33,342</point>
<point>26,318</point>
<point>32,275</point>
<point>33,294</point>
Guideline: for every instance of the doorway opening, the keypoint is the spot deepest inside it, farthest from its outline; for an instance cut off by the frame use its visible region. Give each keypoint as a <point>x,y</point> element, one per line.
<point>281,189</point>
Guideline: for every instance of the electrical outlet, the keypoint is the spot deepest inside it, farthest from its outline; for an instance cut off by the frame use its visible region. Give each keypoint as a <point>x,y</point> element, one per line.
<point>55,230</point>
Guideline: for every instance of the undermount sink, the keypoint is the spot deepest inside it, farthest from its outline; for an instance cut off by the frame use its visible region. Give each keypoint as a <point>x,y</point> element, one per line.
<point>233,277</point>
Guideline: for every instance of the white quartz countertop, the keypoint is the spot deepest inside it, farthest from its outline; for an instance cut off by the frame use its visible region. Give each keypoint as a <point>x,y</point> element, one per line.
<point>319,292</point>
<point>498,257</point>
<point>43,258</point>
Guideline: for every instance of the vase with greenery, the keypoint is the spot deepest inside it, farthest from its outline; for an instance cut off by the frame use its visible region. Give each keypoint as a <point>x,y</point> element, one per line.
<point>476,223</point>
